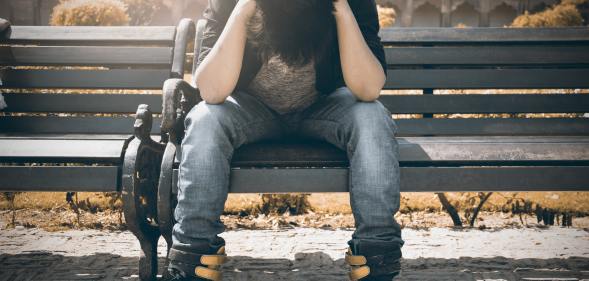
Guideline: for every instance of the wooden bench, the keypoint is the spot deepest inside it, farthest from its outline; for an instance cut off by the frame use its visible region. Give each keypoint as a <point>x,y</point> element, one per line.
<point>437,153</point>
<point>69,125</point>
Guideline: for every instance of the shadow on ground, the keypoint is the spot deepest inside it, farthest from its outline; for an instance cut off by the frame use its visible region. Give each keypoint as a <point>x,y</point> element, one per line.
<point>306,266</point>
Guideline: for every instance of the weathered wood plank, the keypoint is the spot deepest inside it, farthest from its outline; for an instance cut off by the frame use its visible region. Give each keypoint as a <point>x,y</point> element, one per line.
<point>69,125</point>
<point>407,127</point>
<point>61,151</point>
<point>442,179</point>
<point>487,78</point>
<point>83,55</point>
<point>423,151</point>
<point>397,104</point>
<point>85,79</point>
<point>579,35</point>
<point>10,136</point>
<point>488,55</point>
<point>81,103</point>
<point>91,179</point>
<point>494,126</point>
<point>95,35</point>
<point>489,103</point>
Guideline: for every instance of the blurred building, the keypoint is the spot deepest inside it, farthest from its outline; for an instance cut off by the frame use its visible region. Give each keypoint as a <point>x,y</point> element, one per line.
<point>422,13</point>
<point>473,13</point>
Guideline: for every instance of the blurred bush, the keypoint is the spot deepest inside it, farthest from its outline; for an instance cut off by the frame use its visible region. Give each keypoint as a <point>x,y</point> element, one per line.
<point>563,14</point>
<point>142,12</point>
<point>90,12</point>
<point>294,204</point>
<point>386,16</point>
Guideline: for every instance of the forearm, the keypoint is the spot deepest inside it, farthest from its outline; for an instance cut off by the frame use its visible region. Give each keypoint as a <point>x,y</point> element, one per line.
<point>363,73</point>
<point>217,75</point>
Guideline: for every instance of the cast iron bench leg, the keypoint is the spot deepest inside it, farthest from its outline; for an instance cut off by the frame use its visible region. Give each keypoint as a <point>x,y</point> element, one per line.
<point>141,170</point>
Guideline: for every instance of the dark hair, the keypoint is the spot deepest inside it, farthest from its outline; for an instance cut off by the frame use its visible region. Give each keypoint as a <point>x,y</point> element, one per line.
<point>294,30</point>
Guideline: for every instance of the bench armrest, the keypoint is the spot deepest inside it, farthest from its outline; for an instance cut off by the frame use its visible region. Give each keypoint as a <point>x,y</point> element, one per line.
<point>178,98</point>
<point>185,33</point>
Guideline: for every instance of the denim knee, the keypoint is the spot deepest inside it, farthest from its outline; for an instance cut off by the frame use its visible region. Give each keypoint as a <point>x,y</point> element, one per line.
<point>209,128</point>
<point>371,121</point>
<point>204,116</point>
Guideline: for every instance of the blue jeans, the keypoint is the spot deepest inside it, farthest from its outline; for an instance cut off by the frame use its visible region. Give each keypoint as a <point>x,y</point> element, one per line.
<point>365,130</point>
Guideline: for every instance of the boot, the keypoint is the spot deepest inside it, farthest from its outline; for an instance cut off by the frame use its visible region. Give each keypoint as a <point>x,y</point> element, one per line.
<point>373,261</point>
<point>202,266</point>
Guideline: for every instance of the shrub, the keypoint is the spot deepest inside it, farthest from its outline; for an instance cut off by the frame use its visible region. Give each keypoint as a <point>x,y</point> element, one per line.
<point>90,12</point>
<point>563,14</point>
<point>142,12</point>
<point>294,204</point>
<point>386,16</point>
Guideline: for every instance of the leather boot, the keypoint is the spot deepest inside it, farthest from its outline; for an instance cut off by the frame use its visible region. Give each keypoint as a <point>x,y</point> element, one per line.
<point>373,261</point>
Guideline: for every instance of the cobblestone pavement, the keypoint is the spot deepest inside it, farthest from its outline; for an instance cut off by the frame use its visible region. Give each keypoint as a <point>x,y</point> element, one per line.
<point>308,254</point>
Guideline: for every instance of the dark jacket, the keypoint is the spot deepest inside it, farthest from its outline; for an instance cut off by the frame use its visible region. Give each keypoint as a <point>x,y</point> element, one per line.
<point>328,70</point>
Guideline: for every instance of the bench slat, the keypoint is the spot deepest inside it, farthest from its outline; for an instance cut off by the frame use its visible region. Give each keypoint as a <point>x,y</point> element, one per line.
<point>407,127</point>
<point>95,35</point>
<point>61,151</point>
<point>85,79</point>
<point>81,103</point>
<point>487,78</point>
<point>424,151</point>
<point>488,103</point>
<point>494,126</point>
<point>66,136</point>
<point>447,179</point>
<point>90,178</point>
<point>397,104</point>
<point>82,55</point>
<point>417,35</point>
<point>70,125</point>
<point>488,55</point>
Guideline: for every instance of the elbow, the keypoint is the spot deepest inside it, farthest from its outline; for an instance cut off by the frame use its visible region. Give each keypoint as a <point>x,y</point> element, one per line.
<point>369,91</point>
<point>209,93</point>
<point>212,96</point>
<point>368,95</point>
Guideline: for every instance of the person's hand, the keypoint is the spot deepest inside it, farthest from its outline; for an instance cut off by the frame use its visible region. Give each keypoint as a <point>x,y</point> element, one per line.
<point>247,8</point>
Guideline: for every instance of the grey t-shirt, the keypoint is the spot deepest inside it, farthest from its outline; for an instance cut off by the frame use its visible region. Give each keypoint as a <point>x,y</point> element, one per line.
<point>285,88</point>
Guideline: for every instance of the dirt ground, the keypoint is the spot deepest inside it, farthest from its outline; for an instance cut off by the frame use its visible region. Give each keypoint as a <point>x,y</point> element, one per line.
<point>51,212</point>
<point>62,220</point>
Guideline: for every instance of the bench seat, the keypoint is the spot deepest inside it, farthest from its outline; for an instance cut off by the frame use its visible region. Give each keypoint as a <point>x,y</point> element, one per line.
<point>424,151</point>
<point>462,163</point>
<point>89,149</point>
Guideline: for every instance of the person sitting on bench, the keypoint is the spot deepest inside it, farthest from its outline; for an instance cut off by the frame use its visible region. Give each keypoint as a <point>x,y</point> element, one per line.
<point>271,69</point>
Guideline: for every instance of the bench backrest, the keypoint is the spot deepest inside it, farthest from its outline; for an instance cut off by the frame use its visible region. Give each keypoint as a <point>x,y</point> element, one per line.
<point>423,59</point>
<point>520,71</point>
<point>524,59</point>
<point>60,78</point>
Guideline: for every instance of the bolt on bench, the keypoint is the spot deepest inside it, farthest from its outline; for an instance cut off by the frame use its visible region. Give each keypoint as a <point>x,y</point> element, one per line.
<point>55,136</point>
<point>436,154</point>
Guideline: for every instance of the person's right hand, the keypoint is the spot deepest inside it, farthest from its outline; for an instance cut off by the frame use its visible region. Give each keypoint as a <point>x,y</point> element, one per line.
<point>246,8</point>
